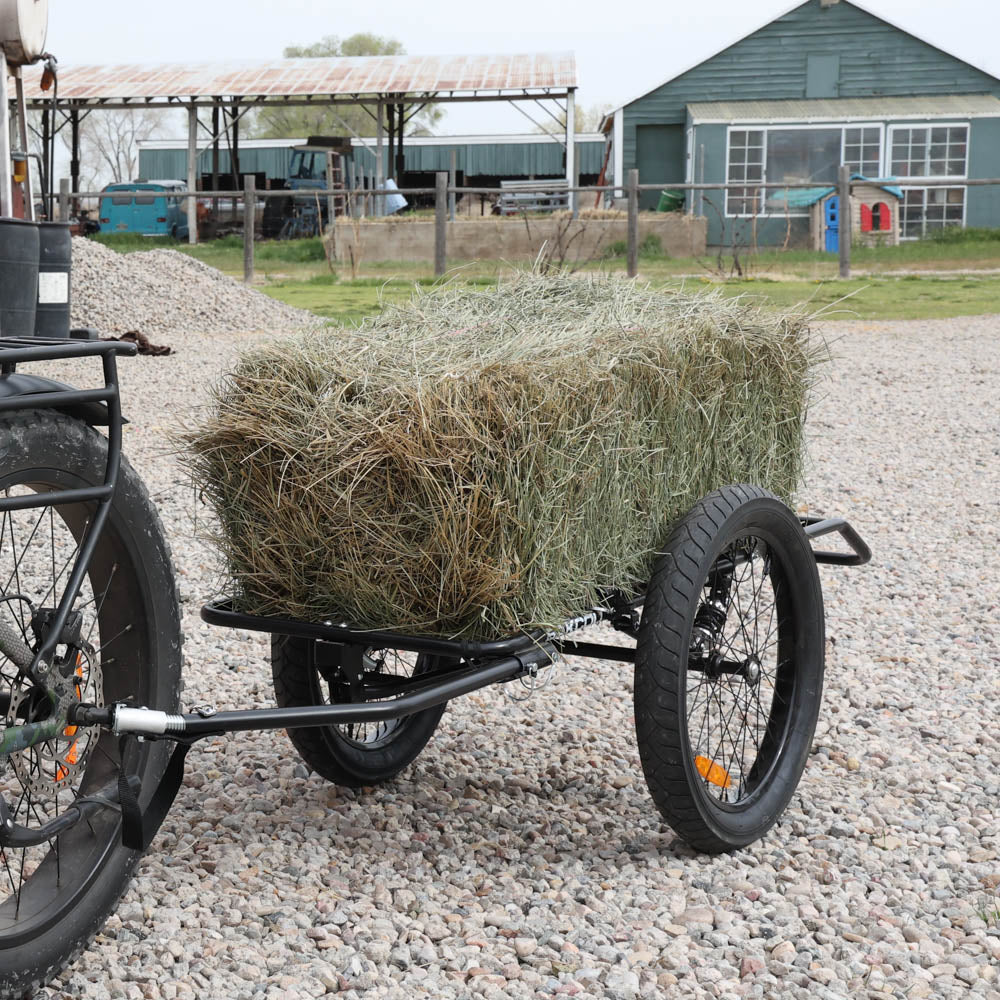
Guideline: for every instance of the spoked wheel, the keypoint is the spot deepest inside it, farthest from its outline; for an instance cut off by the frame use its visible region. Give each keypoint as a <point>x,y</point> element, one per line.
<point>354,754</point>
<point>123,643</point>
<point>729,668</point>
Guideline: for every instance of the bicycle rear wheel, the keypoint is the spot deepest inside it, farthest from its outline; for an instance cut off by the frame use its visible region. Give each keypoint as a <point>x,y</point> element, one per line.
<point>56,896</point>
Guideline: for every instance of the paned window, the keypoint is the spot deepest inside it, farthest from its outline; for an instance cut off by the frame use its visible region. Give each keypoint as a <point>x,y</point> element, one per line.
<point>927,209</point>
<point>863,150</point>
<point>932,151</point>
<point>809,155</point>
<point>746,166</point>
<point>803,154</point>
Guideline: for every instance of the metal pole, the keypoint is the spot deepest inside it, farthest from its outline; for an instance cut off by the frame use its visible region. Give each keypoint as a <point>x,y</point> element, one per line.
<point>452,183</point>
<point>633,222</point>
<point>249,225</point>
<point>571,149</point>
<point>440,223</point>
<point>379,156</point>
<point>6,179</point>
<point>74,162</point>
<point>846,220</point>
<point>331,206</point>
<point>63,199</point>
<point>215,145</point>
<point>192,203</point>
<point>45,187</point>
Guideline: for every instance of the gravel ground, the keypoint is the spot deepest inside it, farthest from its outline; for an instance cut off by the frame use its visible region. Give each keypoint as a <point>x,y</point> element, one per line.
<point>520,856</point>
<point>164,292</point>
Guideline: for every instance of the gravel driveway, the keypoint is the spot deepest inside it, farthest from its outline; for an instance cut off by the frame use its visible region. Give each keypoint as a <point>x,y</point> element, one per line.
<point>521,856</point>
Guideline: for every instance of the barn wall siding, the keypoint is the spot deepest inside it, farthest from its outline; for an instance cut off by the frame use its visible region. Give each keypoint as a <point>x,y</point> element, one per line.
<point>982,206</point>
<point>876,59</point>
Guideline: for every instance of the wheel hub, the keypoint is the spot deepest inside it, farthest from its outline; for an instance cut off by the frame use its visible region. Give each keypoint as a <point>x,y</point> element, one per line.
<point>49,767</point>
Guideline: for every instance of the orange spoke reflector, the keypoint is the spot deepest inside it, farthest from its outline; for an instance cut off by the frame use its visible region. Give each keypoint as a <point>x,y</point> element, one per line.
<point>712,772</point>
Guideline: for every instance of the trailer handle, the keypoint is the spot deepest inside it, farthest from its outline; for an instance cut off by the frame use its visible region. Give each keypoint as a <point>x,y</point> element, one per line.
<point>815,527</point>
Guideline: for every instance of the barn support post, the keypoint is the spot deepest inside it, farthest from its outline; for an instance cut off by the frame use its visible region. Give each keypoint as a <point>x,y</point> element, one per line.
<point>192,180</point>
<point>234,149</point>
<point>74,158</point>
<point>440,222</point>
<point>215,148</point>
<point>846,220</point>
<point>331,208</point>
<point>64,189</point>
<point>379,156</point>
<point>571,175</point>
<point>633,222</point>
<point>47,124</point>
<point>249,226</point>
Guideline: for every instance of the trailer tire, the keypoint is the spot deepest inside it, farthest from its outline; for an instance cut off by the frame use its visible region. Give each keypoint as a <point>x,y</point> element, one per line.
<point>710,644</point>
<point>338,753</point>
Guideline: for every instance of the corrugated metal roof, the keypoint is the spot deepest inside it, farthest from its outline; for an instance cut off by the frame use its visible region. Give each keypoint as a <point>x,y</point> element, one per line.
<point>366,75</point>
<point>841,109</point>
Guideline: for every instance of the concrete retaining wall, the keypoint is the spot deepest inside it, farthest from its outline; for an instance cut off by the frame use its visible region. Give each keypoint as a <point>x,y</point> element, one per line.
<point>518,238</point>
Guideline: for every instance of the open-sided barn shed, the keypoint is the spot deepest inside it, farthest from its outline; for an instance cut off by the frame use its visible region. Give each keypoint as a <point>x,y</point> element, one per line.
<point>827,82</point>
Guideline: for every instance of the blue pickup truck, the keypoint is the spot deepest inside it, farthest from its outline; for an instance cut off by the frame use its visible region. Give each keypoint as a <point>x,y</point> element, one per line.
<point>144,207</point>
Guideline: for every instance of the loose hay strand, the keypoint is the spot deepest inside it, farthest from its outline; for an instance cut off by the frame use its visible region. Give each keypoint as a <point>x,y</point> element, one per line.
<point>473,463</point>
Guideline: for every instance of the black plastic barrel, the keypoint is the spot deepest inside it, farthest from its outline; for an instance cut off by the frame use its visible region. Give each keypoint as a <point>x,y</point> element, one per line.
<point>18,277</point>
<point>55,258</point>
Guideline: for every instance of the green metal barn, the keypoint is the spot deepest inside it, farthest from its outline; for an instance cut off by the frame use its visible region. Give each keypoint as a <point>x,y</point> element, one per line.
<point>481,160</point>
<point>827,82</point>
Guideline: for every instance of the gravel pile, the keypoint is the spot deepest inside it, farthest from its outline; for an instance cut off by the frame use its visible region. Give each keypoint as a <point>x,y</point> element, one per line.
<point>520,856</point>
<point>159,292</point>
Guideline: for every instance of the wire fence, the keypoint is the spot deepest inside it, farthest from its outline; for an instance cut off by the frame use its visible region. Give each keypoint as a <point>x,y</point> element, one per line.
<point>360,203</point>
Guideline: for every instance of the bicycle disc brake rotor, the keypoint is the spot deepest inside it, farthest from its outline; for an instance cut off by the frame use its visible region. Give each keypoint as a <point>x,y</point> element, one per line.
<point>52,766</point>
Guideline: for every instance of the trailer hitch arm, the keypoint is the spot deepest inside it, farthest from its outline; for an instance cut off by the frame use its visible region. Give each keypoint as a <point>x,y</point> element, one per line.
<point>815,526</point>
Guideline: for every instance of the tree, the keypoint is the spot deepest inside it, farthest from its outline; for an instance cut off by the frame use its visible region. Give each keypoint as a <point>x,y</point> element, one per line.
<point>109,143</point>
<point>402,118</point>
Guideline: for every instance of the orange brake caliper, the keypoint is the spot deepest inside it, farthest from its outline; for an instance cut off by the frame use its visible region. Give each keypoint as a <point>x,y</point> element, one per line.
<point>70,731</point>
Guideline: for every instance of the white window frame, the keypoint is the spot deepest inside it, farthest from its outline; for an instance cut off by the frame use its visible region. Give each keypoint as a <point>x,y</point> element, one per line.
<point>955,178</point>
<point>809,126</point>
<point>927,126</point>
<point>881,143</point>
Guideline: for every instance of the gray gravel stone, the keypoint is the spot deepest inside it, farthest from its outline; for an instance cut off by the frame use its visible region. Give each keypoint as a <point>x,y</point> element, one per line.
<point>509,826</point>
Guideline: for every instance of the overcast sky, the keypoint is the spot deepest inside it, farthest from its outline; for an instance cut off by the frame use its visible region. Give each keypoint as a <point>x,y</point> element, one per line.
<point>622,50</point>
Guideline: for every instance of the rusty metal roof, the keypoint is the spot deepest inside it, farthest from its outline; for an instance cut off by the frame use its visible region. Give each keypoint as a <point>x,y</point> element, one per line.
<point>304,78</point>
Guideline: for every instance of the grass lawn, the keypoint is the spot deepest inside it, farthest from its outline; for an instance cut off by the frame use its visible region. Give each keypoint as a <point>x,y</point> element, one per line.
<point>297,272</point>
<point>878,298</point>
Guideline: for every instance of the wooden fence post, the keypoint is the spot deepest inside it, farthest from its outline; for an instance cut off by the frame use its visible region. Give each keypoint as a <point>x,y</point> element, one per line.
<point>633,223</point>
<point>453,182</point>
<point>249,225</point>
<point>846,220</point>
<point>440,223</point>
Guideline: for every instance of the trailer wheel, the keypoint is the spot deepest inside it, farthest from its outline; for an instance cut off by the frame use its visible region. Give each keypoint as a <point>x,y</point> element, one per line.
<point>354,754</point>
<point>729,668</point>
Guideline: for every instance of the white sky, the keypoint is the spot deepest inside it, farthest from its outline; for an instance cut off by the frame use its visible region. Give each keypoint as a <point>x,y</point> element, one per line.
<point>622,49</point>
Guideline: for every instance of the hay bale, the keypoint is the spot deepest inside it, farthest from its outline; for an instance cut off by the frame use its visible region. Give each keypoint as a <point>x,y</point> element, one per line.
<point>476,462</point>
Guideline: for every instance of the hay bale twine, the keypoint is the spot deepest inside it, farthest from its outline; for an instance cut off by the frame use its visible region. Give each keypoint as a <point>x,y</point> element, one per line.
<point>473,463</point>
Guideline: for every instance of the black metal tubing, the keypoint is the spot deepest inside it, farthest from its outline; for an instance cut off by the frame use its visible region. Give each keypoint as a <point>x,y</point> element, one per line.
<point>815,527</point>
<point>452,685</point>
<point>221,612</point>
<point>625,654</point>
<point>14,352</point>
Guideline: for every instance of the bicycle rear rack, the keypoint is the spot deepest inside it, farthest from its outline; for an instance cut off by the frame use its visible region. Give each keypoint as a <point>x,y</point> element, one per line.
<point>33,393</point>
